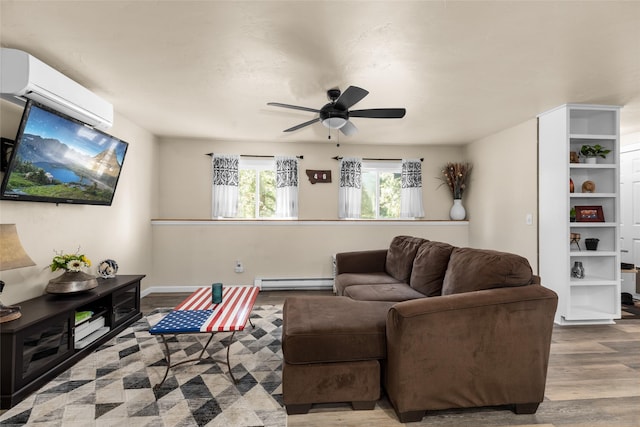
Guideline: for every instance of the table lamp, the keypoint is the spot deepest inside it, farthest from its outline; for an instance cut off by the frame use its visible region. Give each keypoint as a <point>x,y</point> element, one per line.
<point>12,256</point>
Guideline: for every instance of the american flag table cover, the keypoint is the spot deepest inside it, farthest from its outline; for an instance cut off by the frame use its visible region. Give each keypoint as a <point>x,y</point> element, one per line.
<point>198,313</point>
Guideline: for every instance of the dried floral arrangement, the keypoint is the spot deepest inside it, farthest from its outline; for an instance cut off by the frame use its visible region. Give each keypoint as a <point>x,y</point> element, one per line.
<point>455,176</point>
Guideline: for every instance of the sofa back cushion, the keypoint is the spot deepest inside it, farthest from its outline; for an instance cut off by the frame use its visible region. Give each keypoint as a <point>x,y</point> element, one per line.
<point>400,255</point>
<point>478,269</point>
<point>429,267</point>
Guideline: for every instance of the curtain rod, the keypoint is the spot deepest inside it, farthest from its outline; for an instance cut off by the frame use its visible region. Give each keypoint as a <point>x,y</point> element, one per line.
<point>255,155</point>
<point>368,158</point>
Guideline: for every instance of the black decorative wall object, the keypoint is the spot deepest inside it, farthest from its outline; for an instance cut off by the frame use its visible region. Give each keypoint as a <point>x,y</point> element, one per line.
<point>6,148</point>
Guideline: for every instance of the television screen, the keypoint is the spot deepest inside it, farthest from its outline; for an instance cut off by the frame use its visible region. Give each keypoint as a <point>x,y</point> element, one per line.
<point>61,160</point>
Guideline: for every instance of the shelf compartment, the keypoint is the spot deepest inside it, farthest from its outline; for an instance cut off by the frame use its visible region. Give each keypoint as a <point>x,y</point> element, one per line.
<point>607,243</point>
<point>606,141</point>
<point>593,302</point>
<point>608,206</point>
<point>589,313</point>
<point>603,178</point>
<point>593,121</point>
<point>94,336</point>
<point>87,328</point>
<point>596,268</point>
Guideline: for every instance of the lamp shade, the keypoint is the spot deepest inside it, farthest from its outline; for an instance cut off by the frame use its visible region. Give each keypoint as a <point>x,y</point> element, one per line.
<point>334,122</point>
<point>12,254</point>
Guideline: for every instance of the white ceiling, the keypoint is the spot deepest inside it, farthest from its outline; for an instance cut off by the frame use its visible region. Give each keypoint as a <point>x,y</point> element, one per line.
<point>463,70</point>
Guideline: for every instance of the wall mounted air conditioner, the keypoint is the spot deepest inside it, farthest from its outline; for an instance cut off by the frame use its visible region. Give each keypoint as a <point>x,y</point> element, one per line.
<point>23,76</point>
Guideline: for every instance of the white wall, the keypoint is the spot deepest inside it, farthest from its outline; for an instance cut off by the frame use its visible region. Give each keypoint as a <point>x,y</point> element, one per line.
<point>631,138</point>
<point>198,253</point>
<point>503,191</point>
<point>122,231</point>
<point>185,188</point>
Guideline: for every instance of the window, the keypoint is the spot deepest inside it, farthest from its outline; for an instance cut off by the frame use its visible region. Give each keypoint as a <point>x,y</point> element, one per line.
<point>381,185</point>
<point>257,188</point>
<point>254,188</point>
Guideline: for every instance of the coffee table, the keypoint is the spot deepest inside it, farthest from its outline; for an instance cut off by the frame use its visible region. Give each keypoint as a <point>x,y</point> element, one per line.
<point>199,315</point>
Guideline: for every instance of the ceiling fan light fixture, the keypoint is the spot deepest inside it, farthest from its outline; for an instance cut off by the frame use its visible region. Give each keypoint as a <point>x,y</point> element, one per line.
<point>335,114</point>
<point>334,122</point>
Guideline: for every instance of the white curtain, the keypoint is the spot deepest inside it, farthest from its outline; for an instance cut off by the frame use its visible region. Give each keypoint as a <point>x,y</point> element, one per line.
<point>225,185</point>
<point>411,192</point>
<point>350,190</point>
<point>286,187</point>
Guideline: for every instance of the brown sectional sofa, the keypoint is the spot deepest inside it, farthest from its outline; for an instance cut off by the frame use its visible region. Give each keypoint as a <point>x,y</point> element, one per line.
<point>436,326</point>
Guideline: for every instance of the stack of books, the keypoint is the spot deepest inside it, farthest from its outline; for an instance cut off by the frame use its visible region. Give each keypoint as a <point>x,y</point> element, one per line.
<point>87,332</point>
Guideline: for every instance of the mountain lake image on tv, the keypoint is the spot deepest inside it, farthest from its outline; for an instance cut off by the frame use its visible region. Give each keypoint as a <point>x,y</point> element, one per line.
<point>61,160</point>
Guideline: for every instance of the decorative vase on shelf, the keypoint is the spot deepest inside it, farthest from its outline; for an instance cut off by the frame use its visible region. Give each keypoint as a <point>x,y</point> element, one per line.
<point>457,212</point>
<point>578,270</point>
<point>591,160</point>
<point>71,282</point>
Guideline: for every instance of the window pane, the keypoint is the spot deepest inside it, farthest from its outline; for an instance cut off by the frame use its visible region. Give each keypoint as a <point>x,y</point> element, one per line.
<point>369,179</point>
<point>381,193</point>
<point>390,184</point>
<point>267,193</point>
<point>247,194</point>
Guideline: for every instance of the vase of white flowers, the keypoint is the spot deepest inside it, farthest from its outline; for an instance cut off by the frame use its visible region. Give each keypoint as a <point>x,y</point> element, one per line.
<point>73,279</point>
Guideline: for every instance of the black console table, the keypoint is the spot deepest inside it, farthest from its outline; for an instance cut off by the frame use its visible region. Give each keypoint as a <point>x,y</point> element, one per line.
<point>41,344</point>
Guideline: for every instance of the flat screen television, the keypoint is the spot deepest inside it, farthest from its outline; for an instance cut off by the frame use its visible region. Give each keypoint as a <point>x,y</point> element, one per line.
<point>58,159</point>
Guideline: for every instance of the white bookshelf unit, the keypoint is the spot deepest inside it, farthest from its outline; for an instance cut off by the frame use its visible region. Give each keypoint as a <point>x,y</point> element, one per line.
<point>595,298</point>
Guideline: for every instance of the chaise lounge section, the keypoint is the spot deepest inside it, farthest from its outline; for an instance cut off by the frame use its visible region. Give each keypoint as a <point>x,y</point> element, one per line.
<point>439,327</point>
<point>332,348</point>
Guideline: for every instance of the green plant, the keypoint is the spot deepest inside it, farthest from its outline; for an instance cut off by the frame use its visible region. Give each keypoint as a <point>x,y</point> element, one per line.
<point>594,151</point>
<point>69,262</point>
<point>572,213</point>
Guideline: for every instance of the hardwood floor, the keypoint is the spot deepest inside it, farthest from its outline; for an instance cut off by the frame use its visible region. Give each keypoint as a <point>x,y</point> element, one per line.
<point>593,380</point>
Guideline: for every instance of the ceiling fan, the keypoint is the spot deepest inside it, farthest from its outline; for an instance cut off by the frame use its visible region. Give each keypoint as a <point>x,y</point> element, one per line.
<point>335,114</point>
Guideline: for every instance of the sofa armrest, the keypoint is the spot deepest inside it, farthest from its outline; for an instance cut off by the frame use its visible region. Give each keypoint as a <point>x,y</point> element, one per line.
<point>482,348</point>
<point>361,261</point>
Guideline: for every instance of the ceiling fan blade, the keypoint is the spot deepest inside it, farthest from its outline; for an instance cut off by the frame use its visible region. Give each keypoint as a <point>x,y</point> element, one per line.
<point>349,128</point>
<point>301,125</point>
<point>379,113</point>
<point>350,97</point>
<point>293,107</point>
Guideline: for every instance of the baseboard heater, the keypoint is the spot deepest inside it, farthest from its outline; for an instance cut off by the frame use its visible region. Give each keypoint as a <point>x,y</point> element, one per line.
<point>298,283</point>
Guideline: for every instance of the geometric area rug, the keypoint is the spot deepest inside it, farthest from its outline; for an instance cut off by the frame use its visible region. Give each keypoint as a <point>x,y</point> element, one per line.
<point>113,386</point>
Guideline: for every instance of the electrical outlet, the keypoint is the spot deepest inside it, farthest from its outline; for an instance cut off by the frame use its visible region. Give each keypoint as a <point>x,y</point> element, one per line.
<point>239,268</point>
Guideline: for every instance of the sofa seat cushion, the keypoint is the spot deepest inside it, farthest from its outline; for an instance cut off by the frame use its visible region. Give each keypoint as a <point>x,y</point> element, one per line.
<point>344,280</point>
<point>478,269</point>
<point>385,292</point>
<point>429,267</point>
<point>400,255</point>
<point>319,329</point>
